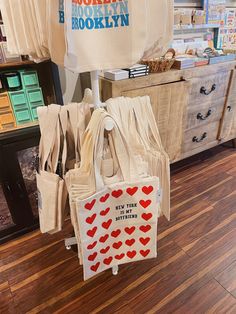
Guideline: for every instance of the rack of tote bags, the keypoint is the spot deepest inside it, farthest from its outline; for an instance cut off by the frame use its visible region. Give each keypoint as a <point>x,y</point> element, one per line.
<point>117,181</point>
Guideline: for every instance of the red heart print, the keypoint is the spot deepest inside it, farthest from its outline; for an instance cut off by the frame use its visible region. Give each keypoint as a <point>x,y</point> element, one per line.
<point>119,257</point>
<point>117,245</point>
<point>107,261</point>
<point>89,206</point>
<point>92,246</point>
<point>130,242</point>
<point>104,251</point>
<point>92,257</point>
<point>147,189</point>
<point>105,212</point>
<point>145,228</point>
<point>129,230</point>
<point>91,219</point>
<point>132,191</point>
<point>131,254</point>
<point>107,224</point>
<point>92,232</point>
<point>144,253</point>
<point>147,216</point>
<point>117,193</point>
<point>95,267</point>
<point>145,204</point>
<point>104,238</point>
<point>116,233</point>
<point>104,198</point>
<point>144,241</point>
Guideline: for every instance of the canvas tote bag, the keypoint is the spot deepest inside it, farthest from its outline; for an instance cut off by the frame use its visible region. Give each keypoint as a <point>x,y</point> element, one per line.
<point>52,193</point>
<point>111,34</point>
<point>136,114</point>
<point>117,224</point>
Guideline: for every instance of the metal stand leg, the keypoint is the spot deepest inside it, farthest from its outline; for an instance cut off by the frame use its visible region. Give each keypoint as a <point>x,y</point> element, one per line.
<point>69,242</point>
<point>234,143</point>
<point>115,270</point>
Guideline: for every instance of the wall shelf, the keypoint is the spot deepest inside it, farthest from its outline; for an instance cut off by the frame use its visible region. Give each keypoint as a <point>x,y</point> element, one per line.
<point>193,27</point>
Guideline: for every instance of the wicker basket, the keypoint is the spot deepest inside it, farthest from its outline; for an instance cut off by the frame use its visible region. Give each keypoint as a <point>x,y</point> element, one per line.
<point>161,64</point>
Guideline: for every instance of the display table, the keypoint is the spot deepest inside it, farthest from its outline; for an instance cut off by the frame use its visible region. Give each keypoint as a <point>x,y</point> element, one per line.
<point>195,108</point>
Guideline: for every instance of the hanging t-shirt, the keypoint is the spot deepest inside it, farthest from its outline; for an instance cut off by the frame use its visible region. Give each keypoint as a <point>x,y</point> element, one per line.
<point>159,28</point>
<point>103,34</point>
<point>56,35</point>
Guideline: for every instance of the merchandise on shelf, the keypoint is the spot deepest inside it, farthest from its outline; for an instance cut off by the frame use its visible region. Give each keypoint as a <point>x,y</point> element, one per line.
<point>25,94</point>
<point>226,35</point>
<point>215,11</point>
<point>7,119</point>
<point>199,17</point>
<point>12,80</point>
<point>7,56</point>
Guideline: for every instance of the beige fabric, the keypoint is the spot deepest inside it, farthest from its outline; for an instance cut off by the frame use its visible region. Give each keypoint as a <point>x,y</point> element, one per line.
<point>56,37</point>
<point>136,118</point>
<point>51,188</point>
<point>159,28</point>
<point>9,27</point>
<point>115,34</point>
<point>21,23</point>
<point>88,182</point>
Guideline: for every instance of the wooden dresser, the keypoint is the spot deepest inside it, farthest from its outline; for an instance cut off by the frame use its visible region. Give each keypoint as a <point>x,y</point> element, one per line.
<point>195,109</point>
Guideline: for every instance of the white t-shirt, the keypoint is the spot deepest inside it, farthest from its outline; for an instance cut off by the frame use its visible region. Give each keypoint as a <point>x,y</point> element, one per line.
<point>106,34</point>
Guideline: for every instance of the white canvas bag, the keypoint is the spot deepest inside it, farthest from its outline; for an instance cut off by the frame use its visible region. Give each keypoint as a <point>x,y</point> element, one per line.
<point>52,192</point>
<point>118,223</point>
<point>136,114</point>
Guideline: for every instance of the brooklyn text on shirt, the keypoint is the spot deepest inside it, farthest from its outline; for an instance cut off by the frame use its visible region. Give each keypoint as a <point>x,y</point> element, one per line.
<point>61,11</point>
<point>91,14</point>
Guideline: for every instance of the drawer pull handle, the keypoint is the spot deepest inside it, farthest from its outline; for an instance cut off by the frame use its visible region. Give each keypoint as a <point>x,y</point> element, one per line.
<point>198,140</point>
<point>201,117</point>
<point>204,91</point>
<point>229,108</point>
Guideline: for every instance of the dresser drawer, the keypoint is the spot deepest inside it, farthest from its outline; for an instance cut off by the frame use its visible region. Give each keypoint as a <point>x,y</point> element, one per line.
<point>208,88</point>
<point>201,136</point>
<point>205,113</point>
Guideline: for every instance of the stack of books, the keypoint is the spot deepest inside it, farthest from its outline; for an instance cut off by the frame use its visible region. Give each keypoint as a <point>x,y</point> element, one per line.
<point>184,63</point>
<point>138,70</point>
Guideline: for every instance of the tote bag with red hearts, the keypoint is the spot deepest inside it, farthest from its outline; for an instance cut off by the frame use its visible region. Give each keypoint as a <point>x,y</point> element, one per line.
<point>118,224</point>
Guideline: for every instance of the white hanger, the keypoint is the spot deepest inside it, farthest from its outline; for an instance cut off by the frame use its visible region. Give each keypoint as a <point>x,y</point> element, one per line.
<point>96,96</point>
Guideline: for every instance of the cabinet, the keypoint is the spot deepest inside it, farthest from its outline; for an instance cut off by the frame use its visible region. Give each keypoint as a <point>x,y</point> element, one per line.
<point>195,109</point>
<point>19,146</point>
<point>169,106</point>
<point>18,191</point>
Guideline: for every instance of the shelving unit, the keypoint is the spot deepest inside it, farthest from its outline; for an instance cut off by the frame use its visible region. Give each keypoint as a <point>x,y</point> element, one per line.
<point>194,27</point>
<point>16,64</point>
<point>18,155</point>
<point>19,127</point>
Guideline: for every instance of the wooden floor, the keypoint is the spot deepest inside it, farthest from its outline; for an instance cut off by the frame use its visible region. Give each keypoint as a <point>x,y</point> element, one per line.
<point>195,271</point>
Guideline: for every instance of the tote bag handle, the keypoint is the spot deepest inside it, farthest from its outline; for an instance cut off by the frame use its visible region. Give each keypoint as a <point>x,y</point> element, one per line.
<point>50,137</point>
<point>126,163</point>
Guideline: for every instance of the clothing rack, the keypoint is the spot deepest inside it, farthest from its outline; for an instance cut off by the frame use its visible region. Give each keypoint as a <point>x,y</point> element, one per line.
<point>109,126</point>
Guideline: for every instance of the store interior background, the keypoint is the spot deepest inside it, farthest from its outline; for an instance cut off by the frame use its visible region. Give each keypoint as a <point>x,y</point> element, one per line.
<point>73,84</point>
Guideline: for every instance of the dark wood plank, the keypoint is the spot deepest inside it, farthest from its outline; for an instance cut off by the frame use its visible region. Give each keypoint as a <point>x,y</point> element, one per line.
<point>196,255</point>
<point>227,279</point>
<point>211,298</point>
